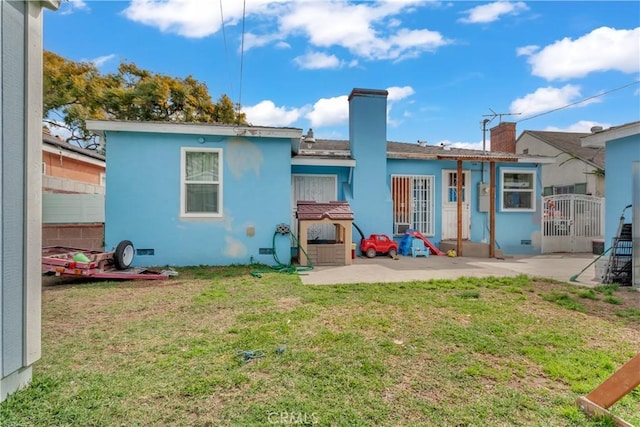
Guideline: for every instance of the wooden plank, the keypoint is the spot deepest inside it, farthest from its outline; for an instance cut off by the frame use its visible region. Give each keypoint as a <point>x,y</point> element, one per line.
<point>617,385</point>
<point>592,409</point>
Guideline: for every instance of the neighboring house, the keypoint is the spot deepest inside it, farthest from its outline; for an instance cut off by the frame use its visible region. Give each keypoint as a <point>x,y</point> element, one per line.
<point>576,170</point>
<point>622,183</point>
<point>188,194</point>
<point>73,187</point>
<point>20,220</point>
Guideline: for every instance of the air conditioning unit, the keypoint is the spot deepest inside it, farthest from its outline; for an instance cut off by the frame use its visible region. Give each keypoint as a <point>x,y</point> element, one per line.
<point>402,227</point>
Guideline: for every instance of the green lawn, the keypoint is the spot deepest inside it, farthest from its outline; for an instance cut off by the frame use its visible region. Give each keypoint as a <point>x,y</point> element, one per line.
<point>218,346</point>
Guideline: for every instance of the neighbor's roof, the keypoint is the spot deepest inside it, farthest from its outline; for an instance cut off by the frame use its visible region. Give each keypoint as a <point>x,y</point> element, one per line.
<point>600,138</point>
<point>339,149</point>
<point>59,144</point>
<point>317,211</point>
<point>570,143</point>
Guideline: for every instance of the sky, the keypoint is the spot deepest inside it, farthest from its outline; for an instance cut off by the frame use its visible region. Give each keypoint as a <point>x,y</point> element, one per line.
<point>447,65</point>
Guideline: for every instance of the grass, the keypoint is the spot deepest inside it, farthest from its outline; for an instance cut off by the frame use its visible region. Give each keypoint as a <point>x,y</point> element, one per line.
<point>494,351</point>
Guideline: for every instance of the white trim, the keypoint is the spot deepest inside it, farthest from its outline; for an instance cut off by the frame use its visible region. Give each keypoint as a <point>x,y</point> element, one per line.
<point>32,308</point>
<point>546,160</point>
<point>533,191</point>
<point>599,139</point>
<point>183,156</point>
<point>194,129</point>
<point>314,161</point>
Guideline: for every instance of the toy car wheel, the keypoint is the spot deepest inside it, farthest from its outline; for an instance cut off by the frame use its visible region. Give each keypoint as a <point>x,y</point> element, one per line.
<point>371,253</point>
<point>393,252</point>
<point>123,255</point>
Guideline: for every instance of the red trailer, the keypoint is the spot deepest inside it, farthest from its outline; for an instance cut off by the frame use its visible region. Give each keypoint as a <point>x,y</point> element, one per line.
<point>64,261</point>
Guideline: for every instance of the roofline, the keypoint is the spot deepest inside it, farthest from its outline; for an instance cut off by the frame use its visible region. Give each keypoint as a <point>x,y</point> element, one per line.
<point>599,139</point>
<point>101,126</point>
<point>62,151</point>
<point>315,161</point>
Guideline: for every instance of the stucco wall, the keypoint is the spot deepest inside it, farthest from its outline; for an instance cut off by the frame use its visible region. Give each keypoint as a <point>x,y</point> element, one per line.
<point>143,200</point>
<point>516,232</point>
<point>566,170</point>
<point>621,154</point>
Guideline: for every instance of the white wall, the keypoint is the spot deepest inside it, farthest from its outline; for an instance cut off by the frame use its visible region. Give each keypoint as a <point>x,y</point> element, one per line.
<point>566,170</point>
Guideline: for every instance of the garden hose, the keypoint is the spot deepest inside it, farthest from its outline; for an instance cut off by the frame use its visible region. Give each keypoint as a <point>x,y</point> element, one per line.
<point>283,229</point>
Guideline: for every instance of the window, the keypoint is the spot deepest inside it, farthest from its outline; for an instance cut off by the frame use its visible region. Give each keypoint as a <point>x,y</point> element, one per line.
<point>201,186</point>
<point>518,190</point>
<point>413,200</point>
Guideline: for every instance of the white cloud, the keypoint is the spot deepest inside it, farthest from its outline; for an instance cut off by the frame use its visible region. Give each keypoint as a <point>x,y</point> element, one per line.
<point>101,60</point>
<point>583,126</point>
<point>361,28</point>
<point>397,93</point>
<point>466,145</point>
<point>492,12</point>
<point>329,111</point>
<point>602,49</point>
<point>266,113</point>
<point>67,8</point>
<point>317,61</point>
<point>548,98</point>
<point>527,50</point>
<point>369,30</point>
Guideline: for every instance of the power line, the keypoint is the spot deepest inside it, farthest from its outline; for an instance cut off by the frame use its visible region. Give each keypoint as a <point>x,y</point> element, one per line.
<point>226,52</point>
<point>579,102</point>
<point>244,14</point>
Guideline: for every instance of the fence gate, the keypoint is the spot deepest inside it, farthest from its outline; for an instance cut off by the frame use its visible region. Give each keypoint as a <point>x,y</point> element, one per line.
<point>571,222</point>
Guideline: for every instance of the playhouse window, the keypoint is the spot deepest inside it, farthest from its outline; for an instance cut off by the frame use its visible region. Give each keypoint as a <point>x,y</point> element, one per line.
<point>518,190</point>
<point>201,187</point>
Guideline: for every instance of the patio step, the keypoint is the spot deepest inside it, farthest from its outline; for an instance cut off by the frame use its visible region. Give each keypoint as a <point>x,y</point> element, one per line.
<point>470,249</point>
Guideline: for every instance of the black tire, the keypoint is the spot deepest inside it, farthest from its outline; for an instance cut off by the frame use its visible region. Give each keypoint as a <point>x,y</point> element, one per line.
<point>371,253</point>
<point>393,253</point>
<point>123,255</point>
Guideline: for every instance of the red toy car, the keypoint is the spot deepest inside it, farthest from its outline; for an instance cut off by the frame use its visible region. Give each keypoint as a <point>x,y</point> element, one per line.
<point>378,243</point>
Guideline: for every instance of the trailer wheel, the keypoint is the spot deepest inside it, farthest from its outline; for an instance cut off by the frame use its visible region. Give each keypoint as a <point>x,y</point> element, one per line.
<point>371,253</point>
<point>123,255</point>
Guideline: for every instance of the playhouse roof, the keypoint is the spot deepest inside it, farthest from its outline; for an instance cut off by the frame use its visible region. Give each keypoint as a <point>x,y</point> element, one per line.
<point>316,211</point>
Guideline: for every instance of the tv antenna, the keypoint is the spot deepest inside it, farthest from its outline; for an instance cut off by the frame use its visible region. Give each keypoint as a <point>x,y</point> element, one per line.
<point>487,120</point>
<point>493,115</point>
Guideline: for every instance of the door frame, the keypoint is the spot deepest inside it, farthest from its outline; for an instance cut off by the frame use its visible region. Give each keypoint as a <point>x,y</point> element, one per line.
<point>449,210</point>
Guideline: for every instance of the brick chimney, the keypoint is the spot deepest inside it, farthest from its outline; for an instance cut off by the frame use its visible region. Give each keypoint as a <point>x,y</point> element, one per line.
<point>503,137</point>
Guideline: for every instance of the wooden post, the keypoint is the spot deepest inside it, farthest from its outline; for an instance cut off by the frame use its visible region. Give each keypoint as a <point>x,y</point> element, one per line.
<point>492,209</point>
<point>459,206</point>
<point>613,389</point>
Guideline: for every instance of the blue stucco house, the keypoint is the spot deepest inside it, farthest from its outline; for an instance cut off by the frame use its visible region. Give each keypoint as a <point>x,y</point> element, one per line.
<point>189,194</point>
<point>622,182</point>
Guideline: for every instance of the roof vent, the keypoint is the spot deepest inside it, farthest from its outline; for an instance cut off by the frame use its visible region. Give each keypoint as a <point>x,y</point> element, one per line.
<point>596,129</point>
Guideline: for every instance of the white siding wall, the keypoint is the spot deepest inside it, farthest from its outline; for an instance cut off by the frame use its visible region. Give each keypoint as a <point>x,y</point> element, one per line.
<point>565,170</point>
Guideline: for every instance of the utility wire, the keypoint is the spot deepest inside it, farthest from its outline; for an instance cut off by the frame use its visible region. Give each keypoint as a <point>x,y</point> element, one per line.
<point>244,14</point>
<point>226,52</point>
<point>579,102</point>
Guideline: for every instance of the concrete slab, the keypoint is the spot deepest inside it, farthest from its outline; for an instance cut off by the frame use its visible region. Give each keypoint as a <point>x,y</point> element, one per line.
<point>383,269</point>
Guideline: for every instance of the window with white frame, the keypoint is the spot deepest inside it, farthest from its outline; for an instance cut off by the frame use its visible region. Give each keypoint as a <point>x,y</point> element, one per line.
<point>201,182</point>
<point>518,192</point>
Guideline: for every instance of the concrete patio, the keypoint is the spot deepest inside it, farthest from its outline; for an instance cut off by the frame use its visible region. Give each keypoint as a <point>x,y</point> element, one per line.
<point>383,269</point>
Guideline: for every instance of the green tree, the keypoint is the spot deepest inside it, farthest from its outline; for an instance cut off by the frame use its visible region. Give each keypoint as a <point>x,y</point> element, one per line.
<point>77,91</point>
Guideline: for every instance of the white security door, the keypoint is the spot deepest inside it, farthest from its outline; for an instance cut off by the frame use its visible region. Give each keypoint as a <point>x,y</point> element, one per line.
<point>450,204</point>
<point>317,188</point>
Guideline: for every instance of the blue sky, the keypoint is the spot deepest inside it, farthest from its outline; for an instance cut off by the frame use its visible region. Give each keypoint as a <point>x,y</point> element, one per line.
<point>446,64</point>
